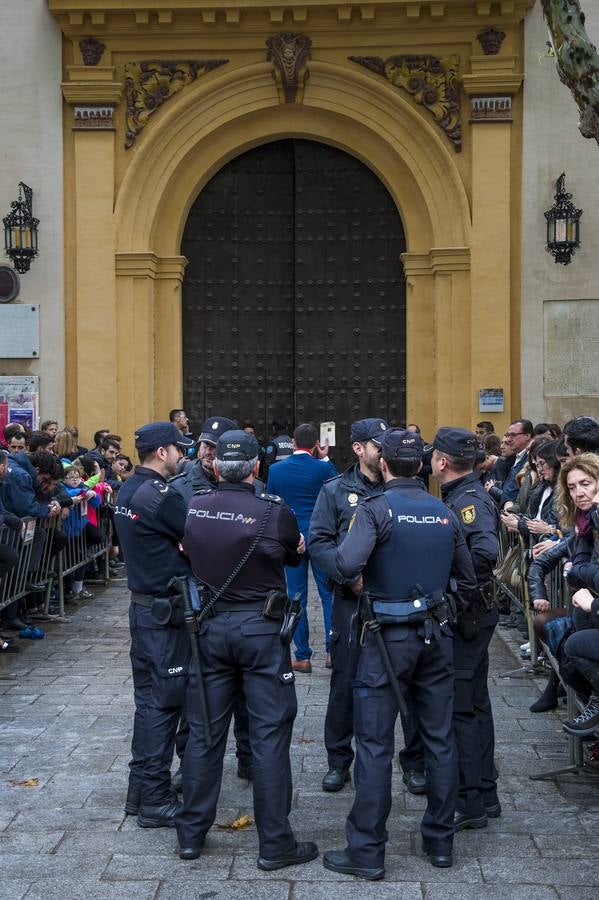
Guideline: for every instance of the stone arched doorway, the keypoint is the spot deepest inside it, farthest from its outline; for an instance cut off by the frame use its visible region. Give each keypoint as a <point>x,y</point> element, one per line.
<point>294,293</point>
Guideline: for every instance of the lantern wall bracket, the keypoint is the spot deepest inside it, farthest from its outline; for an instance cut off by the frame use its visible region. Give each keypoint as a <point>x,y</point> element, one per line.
<point>563,225</point>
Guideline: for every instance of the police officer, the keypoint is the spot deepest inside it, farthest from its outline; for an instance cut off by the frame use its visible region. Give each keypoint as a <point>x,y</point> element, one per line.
<point>336,504</point>
<point>279,447</point>
<point>453,459</point>
<point>406,546</point>
<point>150,519</point>
<point>198,474</point>
<point>238,544</point>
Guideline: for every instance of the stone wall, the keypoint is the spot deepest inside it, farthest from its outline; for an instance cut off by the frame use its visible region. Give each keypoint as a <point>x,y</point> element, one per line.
<point>560,304</point>
<point>31,151</point>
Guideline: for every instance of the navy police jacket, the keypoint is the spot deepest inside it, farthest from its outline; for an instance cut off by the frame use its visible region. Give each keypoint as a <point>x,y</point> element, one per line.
<point>221,525</point>
<point>403,538</point>
<point>150,518</point>
<point>335,507</point>
<point>479,520</point>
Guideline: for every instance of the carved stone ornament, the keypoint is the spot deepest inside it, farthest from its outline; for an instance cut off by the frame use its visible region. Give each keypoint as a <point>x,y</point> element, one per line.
<point>432,82</point>
<point>491,40</point>
<point>289,54</point>
<point>149,84</point>
<point>93,118</point>
<point>91,50</point>
<point>490,109</point>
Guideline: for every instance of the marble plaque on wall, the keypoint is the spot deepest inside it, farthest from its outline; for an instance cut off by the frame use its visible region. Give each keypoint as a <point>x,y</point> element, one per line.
<point>571,348</point>
<point>19,331</point>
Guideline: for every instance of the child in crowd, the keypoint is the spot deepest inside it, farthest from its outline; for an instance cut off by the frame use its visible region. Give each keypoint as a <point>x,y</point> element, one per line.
<point>77,522</point>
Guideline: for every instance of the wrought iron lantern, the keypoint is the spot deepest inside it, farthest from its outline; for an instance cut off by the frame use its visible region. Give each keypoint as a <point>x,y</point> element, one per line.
<point>563,225</point>
<point>20,230</point>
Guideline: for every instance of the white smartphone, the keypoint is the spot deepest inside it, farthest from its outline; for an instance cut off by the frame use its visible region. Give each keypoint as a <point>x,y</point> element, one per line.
<point>327,430</point>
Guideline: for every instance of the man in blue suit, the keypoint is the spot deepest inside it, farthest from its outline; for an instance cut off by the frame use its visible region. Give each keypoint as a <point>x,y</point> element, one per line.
<point>298,480</point>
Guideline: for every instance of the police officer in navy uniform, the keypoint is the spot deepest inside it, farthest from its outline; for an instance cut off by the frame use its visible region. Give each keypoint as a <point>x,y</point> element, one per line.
<point>278,447</point>
<point>233,532</point>
<point>198,474</point>
<point>336,504</point>
<point>150,519</point>
<point>407,546</point>
<point>453,459</point>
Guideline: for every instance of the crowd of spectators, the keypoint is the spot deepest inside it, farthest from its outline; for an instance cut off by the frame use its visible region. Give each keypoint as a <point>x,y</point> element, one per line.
<point>48,474</point>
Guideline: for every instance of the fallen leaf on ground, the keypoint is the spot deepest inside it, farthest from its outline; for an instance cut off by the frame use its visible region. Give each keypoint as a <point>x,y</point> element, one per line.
<point>28,782</point>
<point>305,740</point>
<point>241,822</point>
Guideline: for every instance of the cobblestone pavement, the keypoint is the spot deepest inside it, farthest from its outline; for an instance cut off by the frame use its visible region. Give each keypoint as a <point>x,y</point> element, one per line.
<point>66,721</point>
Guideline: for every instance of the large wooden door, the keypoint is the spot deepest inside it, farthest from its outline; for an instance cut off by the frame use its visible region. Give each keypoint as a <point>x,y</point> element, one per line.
<point>294,296</point>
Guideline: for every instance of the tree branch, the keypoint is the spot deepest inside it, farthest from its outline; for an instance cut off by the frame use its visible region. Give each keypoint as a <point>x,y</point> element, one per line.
<point>576,59</point>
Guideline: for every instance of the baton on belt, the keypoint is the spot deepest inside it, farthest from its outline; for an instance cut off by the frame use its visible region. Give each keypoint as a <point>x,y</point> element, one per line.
<point>369,621</point>
<point>181,585</point>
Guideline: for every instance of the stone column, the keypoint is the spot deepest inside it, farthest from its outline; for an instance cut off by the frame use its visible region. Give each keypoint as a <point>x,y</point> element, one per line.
<point>495,204</point>
<point>93,95</point>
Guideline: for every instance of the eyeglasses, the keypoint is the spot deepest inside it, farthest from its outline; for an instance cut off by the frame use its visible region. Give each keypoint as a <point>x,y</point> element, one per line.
<point>512,434</point>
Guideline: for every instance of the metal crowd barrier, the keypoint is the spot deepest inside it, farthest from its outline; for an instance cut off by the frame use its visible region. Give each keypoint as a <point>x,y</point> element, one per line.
<point>13,585</point>
<point>559,597</point>
<point>39,565</point>
<point>77,554</point>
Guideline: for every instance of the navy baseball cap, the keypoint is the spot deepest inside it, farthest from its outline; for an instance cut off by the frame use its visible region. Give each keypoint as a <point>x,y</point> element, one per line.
<point>368,430</point>
<point>398,444</point>
<point>159,434</point>
<point>237,446</point>
<point>214,427</point>
<point>456,442</point>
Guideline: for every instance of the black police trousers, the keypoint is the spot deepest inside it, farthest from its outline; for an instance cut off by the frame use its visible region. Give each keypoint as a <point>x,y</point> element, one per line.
<point>241,646</point>
<point>339,719</point>
<point>426,672</point>
<point>240,729</point>
<point>160,663</point>
<point>473,719</point>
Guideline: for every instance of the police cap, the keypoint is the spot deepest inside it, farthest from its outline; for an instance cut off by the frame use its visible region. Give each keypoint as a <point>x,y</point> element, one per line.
<point>368,430</point>
<point>398,444</point>
<point>159,434</point>
<point>237,446</point>
<point>214,427</point>
<point>456,442</point>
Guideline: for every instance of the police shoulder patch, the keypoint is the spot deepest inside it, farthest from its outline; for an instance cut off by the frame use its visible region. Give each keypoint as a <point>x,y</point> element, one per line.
<point>468,514</point>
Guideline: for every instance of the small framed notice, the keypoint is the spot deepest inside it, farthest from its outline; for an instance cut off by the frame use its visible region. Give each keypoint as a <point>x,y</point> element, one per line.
<point>327,430</point>
<point>490,400</point>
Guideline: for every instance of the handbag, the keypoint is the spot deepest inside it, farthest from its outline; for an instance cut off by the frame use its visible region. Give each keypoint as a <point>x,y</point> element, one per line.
<point>508,570</point>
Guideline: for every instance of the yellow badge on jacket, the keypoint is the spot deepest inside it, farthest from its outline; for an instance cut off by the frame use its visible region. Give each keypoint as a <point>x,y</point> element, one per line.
<point>468,515</point>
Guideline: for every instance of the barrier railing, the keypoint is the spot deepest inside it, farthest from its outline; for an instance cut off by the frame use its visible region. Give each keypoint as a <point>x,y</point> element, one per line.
<point>13,585</point>
<point>40,563</point>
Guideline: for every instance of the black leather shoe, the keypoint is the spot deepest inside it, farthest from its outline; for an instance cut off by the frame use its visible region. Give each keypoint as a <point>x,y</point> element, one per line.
<point>303,852</point>
<point>415,782</point>
<point>133,800</point>
<point>466,820</point>
<point>162,816</point>
<point>440,860</point>
<point>191,852</point>
<point>493,810</point>
<point>341,861</point>
<point>335,779</point>
<point>177,780</point>
<point>245,770</point>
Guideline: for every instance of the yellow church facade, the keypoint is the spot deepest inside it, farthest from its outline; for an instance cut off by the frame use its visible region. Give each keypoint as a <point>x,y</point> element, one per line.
<point>159,97</point>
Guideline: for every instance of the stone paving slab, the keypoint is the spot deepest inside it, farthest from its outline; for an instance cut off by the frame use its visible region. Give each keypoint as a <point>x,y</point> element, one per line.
<point>66,720</point>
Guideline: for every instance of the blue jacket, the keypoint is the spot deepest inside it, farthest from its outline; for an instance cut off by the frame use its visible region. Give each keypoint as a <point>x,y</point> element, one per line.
<point>18,493</point>
<point>75,522</point>
<point>298,480</point>
<point>510,487</point>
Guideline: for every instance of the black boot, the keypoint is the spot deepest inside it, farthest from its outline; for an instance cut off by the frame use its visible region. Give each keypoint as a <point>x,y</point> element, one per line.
<point>548,699</point>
